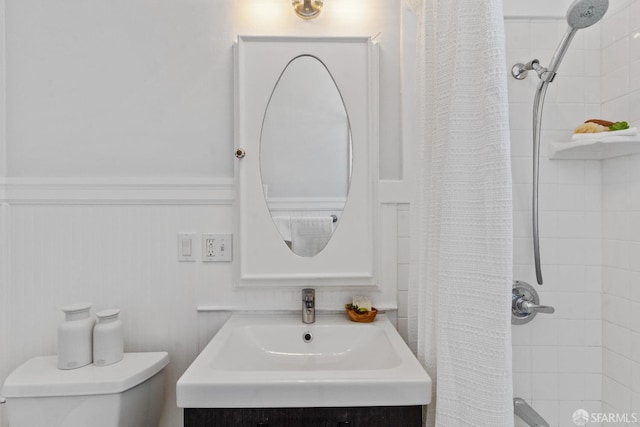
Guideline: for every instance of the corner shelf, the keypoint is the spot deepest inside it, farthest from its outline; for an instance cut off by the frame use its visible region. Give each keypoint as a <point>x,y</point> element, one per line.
<point>594,150</point>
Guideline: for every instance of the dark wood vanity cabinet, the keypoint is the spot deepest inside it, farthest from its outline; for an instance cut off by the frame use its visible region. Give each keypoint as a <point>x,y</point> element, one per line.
<point>374,416</point>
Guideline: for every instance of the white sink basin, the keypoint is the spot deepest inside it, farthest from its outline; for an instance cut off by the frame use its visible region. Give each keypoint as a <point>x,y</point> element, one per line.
<point>258,361</point>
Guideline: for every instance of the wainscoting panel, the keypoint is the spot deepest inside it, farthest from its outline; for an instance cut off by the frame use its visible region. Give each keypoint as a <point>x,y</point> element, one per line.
<point>112,256</point>
<point>115,244</point>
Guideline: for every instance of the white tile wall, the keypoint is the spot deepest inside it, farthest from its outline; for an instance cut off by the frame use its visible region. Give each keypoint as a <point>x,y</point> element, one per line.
<point>558,359</point>
<point>403,268</point>
<point>4,302</point>
<point>538,8</point>
<point>620,84</point>
<point>620,41</point>
<point>621,285</point>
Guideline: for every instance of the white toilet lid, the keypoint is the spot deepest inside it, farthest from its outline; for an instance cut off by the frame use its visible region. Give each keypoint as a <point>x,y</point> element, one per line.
<point>39,377</point>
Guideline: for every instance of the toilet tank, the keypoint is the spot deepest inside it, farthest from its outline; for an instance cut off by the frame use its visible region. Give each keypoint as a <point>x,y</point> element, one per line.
<point>129,393</point>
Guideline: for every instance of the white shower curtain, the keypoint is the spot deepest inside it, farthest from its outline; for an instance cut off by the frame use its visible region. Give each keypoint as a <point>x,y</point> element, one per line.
<point>461,263</point>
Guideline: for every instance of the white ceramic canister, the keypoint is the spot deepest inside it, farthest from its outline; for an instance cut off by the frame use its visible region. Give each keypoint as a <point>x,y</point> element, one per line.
<point>108,339</point>
<point>75,336</point>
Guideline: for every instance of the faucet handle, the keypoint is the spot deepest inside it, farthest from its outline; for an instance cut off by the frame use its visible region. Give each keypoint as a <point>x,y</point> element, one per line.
<point>308,294</point>
<point>308,305</point>
<point>525,303</point>
<point>530,307</point>
<point>308,297</point>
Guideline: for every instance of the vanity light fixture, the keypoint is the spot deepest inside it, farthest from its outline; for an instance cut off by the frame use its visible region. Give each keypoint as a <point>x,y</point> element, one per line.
<point>307,9</point>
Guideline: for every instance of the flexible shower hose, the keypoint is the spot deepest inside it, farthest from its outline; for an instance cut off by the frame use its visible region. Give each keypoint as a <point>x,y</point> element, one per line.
<point>538,105</point>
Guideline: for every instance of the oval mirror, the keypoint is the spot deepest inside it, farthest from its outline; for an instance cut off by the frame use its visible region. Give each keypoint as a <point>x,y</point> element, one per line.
<point>305,155</point>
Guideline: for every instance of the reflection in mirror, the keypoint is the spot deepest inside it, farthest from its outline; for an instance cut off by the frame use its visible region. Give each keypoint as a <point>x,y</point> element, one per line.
<point>306,155</point>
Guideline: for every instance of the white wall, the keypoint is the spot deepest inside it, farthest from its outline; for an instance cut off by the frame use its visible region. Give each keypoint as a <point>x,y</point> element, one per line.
<point>145,89</point>
<point>119,135</point>
<point>621,216</point>
<point>3,127</point>
<point>4,267</point>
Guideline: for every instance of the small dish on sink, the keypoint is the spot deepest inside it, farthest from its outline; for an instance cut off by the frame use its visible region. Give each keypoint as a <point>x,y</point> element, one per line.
<point>356,315</point>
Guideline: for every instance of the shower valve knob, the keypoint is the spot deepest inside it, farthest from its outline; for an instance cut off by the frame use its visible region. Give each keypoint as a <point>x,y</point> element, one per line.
<point>530,307</point>
<point>525,303</point>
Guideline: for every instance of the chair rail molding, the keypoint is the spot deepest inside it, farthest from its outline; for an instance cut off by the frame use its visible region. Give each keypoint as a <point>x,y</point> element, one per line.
<point>203,191</point>
<point>117,190</point>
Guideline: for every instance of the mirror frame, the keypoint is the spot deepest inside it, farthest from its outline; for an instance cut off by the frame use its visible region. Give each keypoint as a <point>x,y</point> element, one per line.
<point>351,258</point>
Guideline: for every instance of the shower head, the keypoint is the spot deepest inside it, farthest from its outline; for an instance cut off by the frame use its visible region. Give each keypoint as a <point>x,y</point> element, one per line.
<point>585,13</point>
<point>581,14</point>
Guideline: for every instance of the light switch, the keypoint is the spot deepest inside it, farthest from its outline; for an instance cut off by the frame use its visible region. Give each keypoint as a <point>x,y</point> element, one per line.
<point>185,247</point>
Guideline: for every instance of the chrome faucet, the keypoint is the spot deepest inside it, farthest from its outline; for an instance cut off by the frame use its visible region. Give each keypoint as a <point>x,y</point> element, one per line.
<point>527,414</point>
<point>308,305</point>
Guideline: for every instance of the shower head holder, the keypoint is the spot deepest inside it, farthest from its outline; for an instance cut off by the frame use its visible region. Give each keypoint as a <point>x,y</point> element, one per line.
<point>520,71</point>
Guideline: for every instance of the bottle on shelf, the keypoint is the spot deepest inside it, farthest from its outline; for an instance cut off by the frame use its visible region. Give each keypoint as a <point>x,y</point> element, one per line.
<point>75,337</point>
<point>108,347</point>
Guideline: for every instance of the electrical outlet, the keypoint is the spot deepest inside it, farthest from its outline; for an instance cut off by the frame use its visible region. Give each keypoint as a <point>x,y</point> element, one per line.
<point>217,247</point>
<point>209,247</point>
